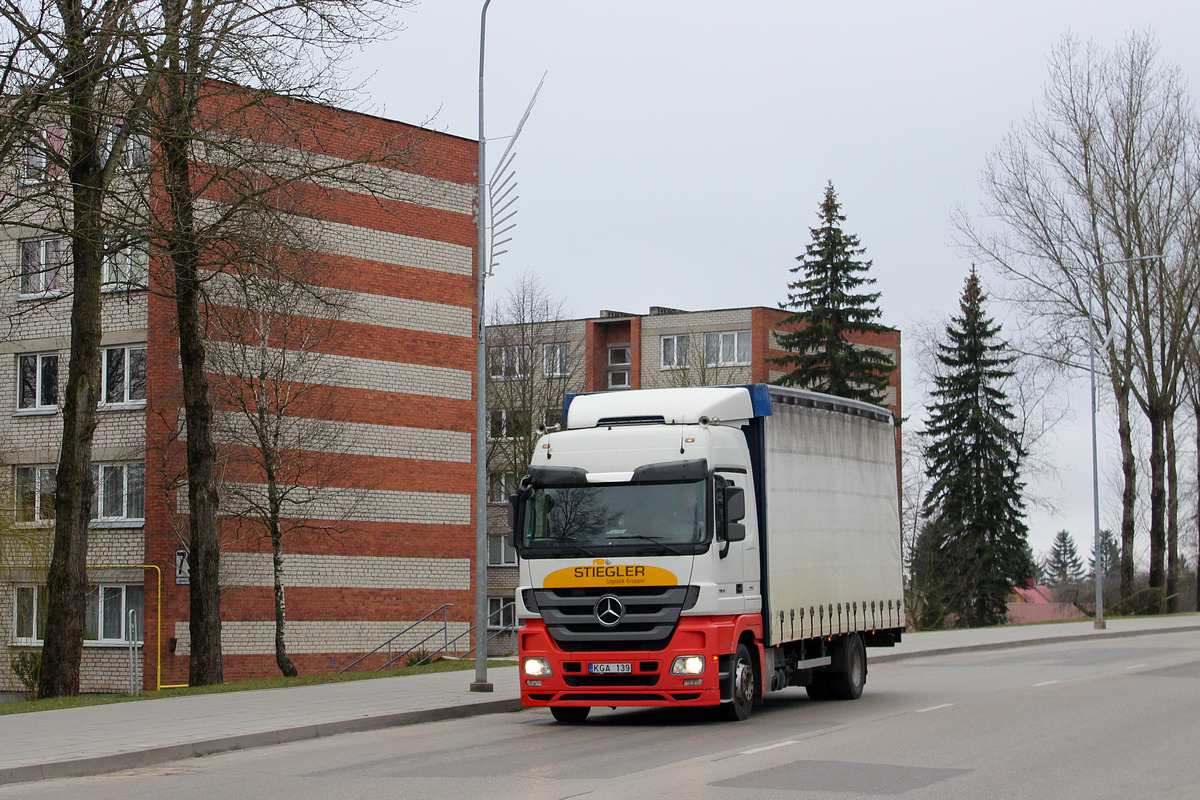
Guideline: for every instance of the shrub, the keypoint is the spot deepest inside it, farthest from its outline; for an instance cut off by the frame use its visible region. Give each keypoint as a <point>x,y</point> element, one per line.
<point>27,666</point>
<point>1147,601</point>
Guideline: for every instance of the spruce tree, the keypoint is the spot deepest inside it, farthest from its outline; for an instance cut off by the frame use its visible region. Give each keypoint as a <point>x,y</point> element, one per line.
<point>974,506</point>
<point>1110,556</point>
<point>827,304</point>
<point>1064,564</point>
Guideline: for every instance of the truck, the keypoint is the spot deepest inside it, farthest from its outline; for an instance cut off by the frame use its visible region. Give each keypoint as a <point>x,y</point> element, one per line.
<point>704,546</point>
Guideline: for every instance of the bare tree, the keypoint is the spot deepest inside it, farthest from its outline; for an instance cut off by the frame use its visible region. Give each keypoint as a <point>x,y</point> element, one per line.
<point>277,418</point>
<point>534,359</point>
<point>203,121</point>
<point>68,113</point>
<point>1105,171</point>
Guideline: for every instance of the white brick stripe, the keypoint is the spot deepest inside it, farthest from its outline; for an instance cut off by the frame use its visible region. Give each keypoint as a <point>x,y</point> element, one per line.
<point>355,438</point>
<point>364,572</point>
<point>326,636</point>
<point>367,309</point>
<point>351,372</point>
<point>354,177</point>
<point>354,505</point>
<point>353,241</point>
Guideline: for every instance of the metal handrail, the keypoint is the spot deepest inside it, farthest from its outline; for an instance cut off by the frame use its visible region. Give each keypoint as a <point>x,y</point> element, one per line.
<point>502,629</point>
<point>444,630</point>
<point>388,643</point>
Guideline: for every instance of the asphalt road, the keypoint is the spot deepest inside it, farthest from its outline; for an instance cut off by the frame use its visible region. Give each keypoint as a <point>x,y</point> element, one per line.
<point>1089,719</point>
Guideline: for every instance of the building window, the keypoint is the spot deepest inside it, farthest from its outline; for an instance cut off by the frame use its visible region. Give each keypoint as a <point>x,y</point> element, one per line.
<point>508,423</point>
<point>557,360</point>
<point>33,162</point>
<point>124,373</point>
<point>500,552</point>
<point>502,613</point>
<point>675,351</point>
<point>35,165</point>
<point>508,361</point>
<point>500,486</point>
<point>127,268</point>
<point>41,260</point>
<point>134,155</point>
<point>107,617</point>
<point>30,612</point>
<point>37,379</point>
<point>727,348</point>
<point>120,492</point>
<point>34,493</point>
<point>618,367</point>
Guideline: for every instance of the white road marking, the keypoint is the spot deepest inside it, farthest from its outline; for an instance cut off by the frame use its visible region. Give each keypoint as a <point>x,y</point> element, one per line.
<point>768,747</point>
<point>1046,683</point>
<point>933,708</point>
<point>1136,666</point>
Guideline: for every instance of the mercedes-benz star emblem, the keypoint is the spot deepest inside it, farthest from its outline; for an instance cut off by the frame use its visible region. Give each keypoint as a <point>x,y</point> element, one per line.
<point>609,610</point>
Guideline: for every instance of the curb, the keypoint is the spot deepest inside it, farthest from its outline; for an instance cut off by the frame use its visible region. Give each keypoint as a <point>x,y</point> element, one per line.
<point>98,765</point>
<point>974,648</point>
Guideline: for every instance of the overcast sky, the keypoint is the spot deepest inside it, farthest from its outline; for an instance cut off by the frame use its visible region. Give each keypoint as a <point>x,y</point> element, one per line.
<point>679,150</point>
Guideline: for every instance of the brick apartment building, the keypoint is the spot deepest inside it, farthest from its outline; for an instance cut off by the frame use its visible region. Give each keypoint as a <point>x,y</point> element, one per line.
<point>615,351</point>
<point>397,246</point>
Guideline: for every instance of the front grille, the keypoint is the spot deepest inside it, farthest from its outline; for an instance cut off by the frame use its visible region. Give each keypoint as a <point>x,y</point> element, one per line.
<point>650,617</point>
<point>611,680</point>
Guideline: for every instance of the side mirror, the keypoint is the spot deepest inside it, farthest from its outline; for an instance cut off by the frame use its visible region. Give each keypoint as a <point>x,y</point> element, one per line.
<point>516,519</point>
<point>736,532</point>
<point>735,505</point>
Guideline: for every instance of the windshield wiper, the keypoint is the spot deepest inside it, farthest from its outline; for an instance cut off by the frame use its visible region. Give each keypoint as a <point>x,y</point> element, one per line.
<point>650,539</point>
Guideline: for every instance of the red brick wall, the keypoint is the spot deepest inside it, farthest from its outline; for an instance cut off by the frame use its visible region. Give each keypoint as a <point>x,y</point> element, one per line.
<point>347,135</point>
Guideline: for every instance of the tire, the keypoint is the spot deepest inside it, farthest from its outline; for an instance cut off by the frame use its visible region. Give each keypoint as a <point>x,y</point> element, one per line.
<point>570,715</point>
<point>819,688</point>
<point>848,685</point>
<point>744,687</point>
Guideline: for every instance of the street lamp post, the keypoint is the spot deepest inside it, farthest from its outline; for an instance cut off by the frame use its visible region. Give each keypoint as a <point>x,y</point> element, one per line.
<point>481,684</point>
<point>1096,555</point>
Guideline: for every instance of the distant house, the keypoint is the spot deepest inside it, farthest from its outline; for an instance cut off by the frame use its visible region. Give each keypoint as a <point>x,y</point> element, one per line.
<point>1039,604</point>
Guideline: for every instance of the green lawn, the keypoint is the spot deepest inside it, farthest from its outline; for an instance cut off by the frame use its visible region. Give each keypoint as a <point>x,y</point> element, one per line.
<point>445,665</point>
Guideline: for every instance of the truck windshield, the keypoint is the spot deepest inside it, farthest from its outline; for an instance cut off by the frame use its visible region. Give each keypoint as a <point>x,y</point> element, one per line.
<point>665,517</point>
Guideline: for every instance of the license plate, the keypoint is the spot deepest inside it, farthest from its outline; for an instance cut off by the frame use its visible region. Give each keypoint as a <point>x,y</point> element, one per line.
<point>608,669</point>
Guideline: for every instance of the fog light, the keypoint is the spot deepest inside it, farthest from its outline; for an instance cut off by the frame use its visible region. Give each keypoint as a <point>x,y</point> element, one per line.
<point>687,665</point>
<point>539,683</point>
<point>693,681</point>
<point>537,667</point>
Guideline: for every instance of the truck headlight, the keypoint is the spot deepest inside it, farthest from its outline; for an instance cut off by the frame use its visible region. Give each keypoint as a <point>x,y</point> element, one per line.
<point>536,667</point>
<point>688,665</point>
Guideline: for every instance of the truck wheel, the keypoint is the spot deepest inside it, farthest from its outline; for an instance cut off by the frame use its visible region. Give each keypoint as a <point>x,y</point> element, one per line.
<point>819,688</point>
<point>570,715</point>
<point>848,685</point>
<point>743,685</point>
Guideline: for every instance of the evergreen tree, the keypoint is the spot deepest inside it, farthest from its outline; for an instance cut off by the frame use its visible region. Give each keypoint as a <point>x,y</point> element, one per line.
<point>1110,559</point>
<point>1064,564</point>
<point>825,307</point>
<point>974,458</point>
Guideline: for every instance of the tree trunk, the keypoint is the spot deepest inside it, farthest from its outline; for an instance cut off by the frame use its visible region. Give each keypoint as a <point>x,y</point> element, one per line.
<point>62,647</point>
<point>281,657</point>
<point>1172,517</point>
<point>205,664</point>
<point>1128,490</point>
<point>1196,412</point>
<point>1158,499</point>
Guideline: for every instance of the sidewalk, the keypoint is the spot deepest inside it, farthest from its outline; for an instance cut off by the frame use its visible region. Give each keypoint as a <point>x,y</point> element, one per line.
<point>98,739</point>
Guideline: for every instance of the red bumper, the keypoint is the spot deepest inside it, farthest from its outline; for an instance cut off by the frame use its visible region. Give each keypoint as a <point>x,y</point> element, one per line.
<point>649,681</point>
